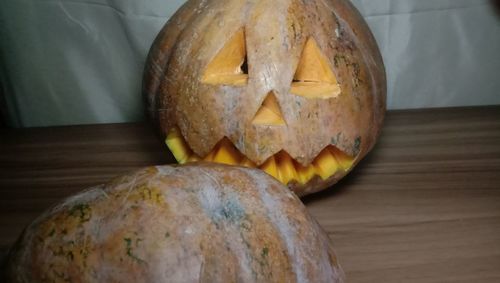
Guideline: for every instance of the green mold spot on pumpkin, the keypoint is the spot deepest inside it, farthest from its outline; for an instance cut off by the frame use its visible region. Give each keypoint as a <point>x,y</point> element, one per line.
<point>335,140</point>
<point>152,195</point>
<point>263,260</point>
<point>357,145</point>
<point>337,59</point>
<point>129,249</point>
<point>265,252</point>
<point>246,226</point>
<point>82,211</point>
<point>142,195</point>
<point>232,211</point>
<point>262,148</point>
<point>228,210</point>
<point>356,71</point>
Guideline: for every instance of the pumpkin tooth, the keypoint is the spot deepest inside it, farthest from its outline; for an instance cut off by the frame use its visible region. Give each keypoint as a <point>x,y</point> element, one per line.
<point>287,170</point>
<point>281,166</point>
<point>227,153</point>
<point>343,159</point>
<point>305,173</point>
<point>326,165</point>
<point>270,167</point>
<point>210,156</point>
<point>178,146</point>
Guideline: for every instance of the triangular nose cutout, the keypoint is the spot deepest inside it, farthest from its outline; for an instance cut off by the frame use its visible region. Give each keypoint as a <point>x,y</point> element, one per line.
<point>314,78</point>
<point>269,113</point>
<point>228,67</point>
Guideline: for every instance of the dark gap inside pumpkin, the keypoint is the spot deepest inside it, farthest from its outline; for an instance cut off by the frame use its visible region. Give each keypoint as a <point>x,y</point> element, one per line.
<point>305,81</point>
<point>244,66</point>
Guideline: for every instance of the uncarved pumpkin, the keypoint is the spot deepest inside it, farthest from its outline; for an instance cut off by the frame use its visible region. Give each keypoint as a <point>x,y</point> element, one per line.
<point>197,223</point>
<point>296,88</point>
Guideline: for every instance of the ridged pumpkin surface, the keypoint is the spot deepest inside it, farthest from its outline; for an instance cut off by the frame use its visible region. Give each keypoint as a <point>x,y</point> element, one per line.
<point>273,78</point>
<point>197,223</point>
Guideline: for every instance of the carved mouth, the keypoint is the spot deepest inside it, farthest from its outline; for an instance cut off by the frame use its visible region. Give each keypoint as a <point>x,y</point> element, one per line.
<point>281,166</point>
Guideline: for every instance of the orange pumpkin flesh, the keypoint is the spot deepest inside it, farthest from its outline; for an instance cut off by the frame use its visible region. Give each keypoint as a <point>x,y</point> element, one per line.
<point>226,66</point>
<point>281,166</point>
<point>195,223</point>
<point>314,78</point>
<point>295,88</point>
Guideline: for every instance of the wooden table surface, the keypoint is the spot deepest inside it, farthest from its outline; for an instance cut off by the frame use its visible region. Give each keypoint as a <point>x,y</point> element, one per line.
<point>424,206</point>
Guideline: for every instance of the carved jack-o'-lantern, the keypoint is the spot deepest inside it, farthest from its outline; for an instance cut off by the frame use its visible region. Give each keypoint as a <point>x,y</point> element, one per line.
<point>296,88</point>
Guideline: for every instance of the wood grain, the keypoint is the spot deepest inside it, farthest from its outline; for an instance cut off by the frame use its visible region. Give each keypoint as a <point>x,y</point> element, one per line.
<point>424,206</point>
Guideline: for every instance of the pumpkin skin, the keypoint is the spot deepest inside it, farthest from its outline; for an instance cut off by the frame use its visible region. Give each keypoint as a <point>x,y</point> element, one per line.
<point>198,223</point>
<point>277,37</point>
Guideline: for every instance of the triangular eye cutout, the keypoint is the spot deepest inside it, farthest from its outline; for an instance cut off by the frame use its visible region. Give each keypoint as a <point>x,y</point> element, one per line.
<point>269,113</point>
<point>314,78</point>
<point>229,67</point>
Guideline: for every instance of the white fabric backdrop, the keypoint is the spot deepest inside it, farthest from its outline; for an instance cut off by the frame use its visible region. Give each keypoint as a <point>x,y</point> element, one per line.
<point>80,61</point>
